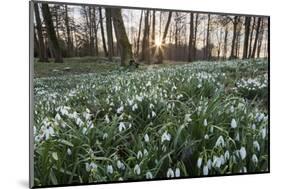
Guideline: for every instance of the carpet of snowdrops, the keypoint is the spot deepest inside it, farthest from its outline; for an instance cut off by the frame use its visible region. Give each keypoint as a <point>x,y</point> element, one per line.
<point>203,118</point>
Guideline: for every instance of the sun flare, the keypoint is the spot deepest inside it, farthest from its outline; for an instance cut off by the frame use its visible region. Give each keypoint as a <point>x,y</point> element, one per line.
<point>158,42</point>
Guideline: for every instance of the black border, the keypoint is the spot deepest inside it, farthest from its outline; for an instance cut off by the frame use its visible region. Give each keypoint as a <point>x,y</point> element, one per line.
<point>31,163</point>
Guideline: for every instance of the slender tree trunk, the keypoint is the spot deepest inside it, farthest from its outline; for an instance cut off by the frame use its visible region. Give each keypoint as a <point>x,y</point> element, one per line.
<point>190,44</point>
<point>122,38</point>
<point>246,36</point>
<point>163,41</point>
<point>251,38</point>
<point>207,49</point>
<point>256,38</point>
<point>41,46</point>
<point>225,42</point>
<point>138,40</point>
<point>102,32</point>
<point>195,36</point>
<point>108,16</point>
<point>260,40</point>
<point>145,41</point>
<point>95,27</point>
<point>153,28</point>
<point>232,55</point>
<point>69,42</point>
<point>51,32</point>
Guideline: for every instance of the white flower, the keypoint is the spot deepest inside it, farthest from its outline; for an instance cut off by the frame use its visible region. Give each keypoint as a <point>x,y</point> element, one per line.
<point>217,162</point>
<point>231,109</point>
<point>84,130</point>
<point>139,98</point>
<point>220,142</point>
<point>226,155</point>
<point>137,169</point>
<point>146,138</point>
<point>233,124</point>
<point>109,169</point>
<point>107,119</point>
<point>49,131</point>
<point>134,107</point>
<point>105,135</point>
<point>153,114</point>
<point>263,133</point>
<point>177,172</point>
<point>237,138</point>
<point>256,145</point>
<point>205,122</point>
<point>165,136</point>
<point>199,162</point>
<point>120,110</point>
<point>148,83</point>
<point>69,151</point>
<point>139,155</point>
<point>205,170</point>
<point>242,152</point>
<point>121,126</point>
<point>120,165</point>
<point>78,122</point>
<point>206,136</point>
<point>130,102</point>
<point>148,175</point>
<point>57,117</point>
<point>187,118</point>
<point>170,173</point>
<point>255,159</point>
<point>151,106</point>
<point>209,164</point>
<point>254,126</point>
<point>91,166</point>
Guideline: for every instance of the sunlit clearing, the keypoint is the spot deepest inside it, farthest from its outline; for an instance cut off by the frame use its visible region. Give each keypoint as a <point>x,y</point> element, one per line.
<point>158,43</point>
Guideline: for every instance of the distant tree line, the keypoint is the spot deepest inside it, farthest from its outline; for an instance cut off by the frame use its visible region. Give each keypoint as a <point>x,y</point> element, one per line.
<point>149,36</point>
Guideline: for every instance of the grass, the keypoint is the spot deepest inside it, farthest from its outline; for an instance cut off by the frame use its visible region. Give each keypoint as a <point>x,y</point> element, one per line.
<point>164,121</point>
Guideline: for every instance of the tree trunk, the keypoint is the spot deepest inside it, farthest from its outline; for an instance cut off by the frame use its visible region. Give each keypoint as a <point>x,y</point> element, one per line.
<point>207,48</point>
<point>41,46</point>
<point>232,55</point>
<point>246,36</point>
<point>153,28</point>
<point>51,32</point>
<point>195,36</point>
<point>190,43</point>
<point>102,33</point>
<point>256,38</point>
<point>160,55</point>
<point>108,15</point>
<point>69,42</point>
<point>251,38</point>
<point>260,40</point>
<point>145,40</point>
<point>225,42</point>
<point>138,40</point>
<point>122,38</point>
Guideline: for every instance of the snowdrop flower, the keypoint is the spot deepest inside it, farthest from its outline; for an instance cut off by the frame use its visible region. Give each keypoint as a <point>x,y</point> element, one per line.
<point>146,138</point>
<point>199,162</point>
<point>139,155</point>
<point>121,126</point>
<point>139,98</point>
<point>69,151</point>
<point>209,164</point>
<point>237,138</point>
<point>107,119</point>
<point>206,136</point>
<point>105,135</point>
<point>91,166</point>
<point>232,109</point>
<point>242,152</point>
<point>217,162</point>
<point>220,142</point>
<point>137,169</point>
<point>148,175</point>
<point>134,107</point>
<point>226,155</point>
<point>153,114</point>
<point>177,172</point>
<point>254,126</point>
<point>256,145</point>
<point>145,152</point>
<point>57,117</point>
<point>205,122</point>
<point>79,122</point>
<point>84,130</point>
<point>130,102</point>
<point>148,84</point>
<point>233,124</point>
<point>49,131</point>
<point>120,110</point>
<point>165,137</point>
<point>187,118</point>
<point>255,159</point>
<point>205,170</point>
<point>263,133</point>
<point>151,106</point>
<point>109,169</point>
<point>170,173</point>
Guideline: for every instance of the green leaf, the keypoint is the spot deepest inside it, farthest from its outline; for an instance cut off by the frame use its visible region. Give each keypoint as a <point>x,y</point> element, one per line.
<point>55,156</point>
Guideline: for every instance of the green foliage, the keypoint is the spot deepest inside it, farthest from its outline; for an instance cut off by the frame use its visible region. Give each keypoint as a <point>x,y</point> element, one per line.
<point>181,120</point>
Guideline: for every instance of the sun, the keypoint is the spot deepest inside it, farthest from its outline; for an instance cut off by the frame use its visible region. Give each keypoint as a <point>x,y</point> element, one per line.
<point>158,43</point>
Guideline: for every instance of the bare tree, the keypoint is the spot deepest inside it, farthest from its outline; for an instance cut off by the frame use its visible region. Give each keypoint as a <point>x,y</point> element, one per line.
<point>139,33</point>
<point>145,39</point>
<point>190,45</point>
<point>246,36</point>
<point>122,38</point>
<point>235,23</point>
<point>109,33</point>
<point>102,32</point>
<point>51,32</point>
<point>256,38</point>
